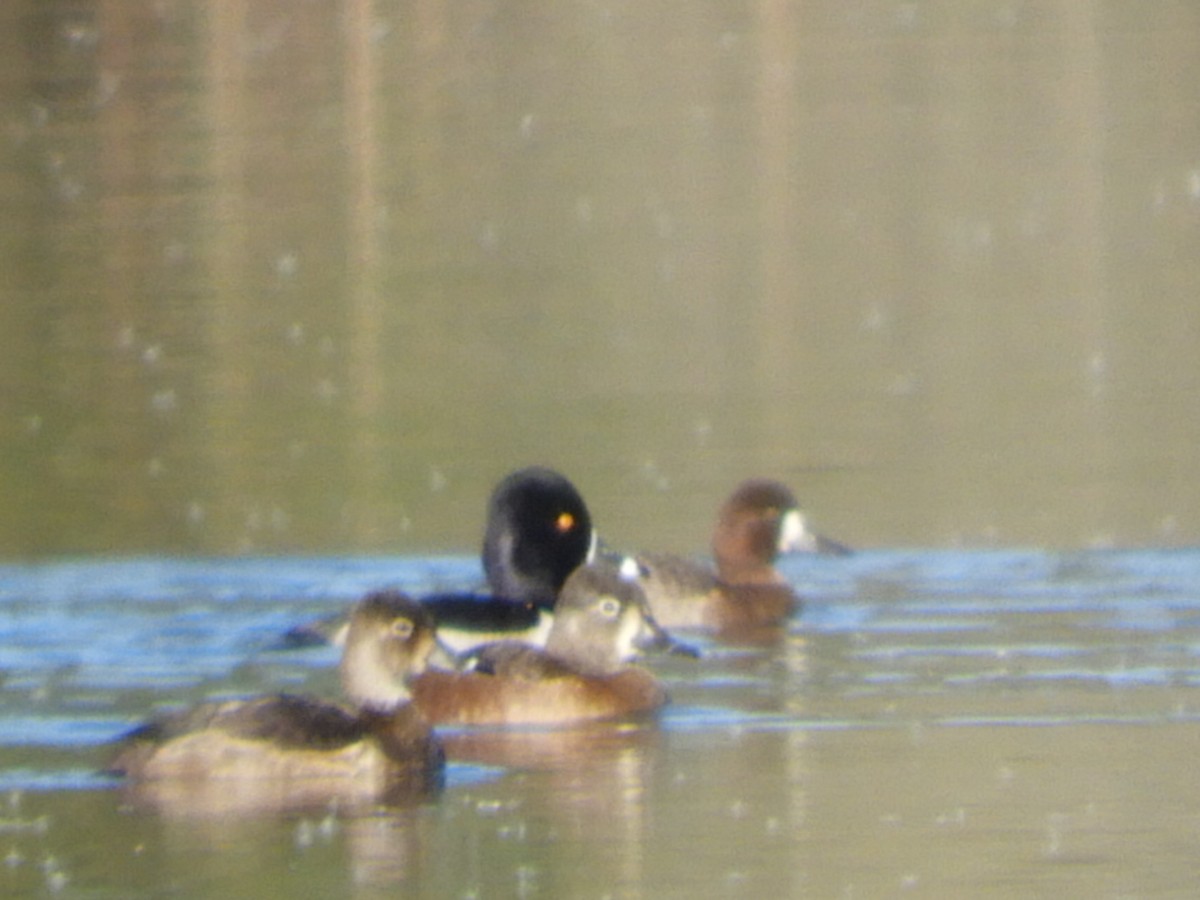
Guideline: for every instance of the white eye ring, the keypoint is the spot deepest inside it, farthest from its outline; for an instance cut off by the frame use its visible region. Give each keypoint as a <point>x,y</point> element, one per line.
<point>609,607</point>
<point>401,628</point>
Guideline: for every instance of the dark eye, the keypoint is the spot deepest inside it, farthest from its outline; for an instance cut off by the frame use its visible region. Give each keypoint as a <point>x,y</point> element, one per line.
<point>401,628</point>
<point>609,607</point>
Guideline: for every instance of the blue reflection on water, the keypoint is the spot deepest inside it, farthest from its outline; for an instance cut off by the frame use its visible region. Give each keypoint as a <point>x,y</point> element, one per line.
<point>87,647</point>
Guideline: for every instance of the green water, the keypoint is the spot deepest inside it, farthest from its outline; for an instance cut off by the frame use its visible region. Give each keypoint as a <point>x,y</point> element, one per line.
<point>943,723</point>
<point>285,289</point>
<point>311,278</point>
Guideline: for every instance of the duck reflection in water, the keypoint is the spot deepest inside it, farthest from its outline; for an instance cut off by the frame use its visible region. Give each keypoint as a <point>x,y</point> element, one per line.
<point>288,751</point>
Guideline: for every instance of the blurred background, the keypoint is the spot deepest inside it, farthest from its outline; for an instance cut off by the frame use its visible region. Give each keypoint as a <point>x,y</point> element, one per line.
<point>308,278</point>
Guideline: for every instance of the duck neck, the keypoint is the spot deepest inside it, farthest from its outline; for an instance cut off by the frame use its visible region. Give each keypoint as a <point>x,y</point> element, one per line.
<point>369,683</point>
<point>570,645</point>
<point>745,554</point>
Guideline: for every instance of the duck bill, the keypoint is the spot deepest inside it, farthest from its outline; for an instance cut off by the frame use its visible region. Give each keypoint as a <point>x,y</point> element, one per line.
<point>831,547</point>
<point>796,537</point>
<point>653,638</point>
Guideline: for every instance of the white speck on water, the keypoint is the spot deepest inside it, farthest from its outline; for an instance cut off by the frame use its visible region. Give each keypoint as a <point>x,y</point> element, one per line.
<point>1193,185</point>
<point>438,481</point>
<point>13,858</point>
<point>195,513</point>
<point>527,878</point>
<point>328,827</point>
<point>489,807</point>
<point>80,35</point>
<point>909,881</point>
<point>876,319</point>
<point>56,878</point>
<point>739,809</point>
<point>1158,197</point>
<point>903,384</point>
<point>287,264</point>
<point>107,86</point>
<point>1053,844</point>
<point>955,819</point>
<point>651,474</point>
<point>33,424</point>
<point>295,334</point>
<point>126,337</point>
<point>326,390</point>
<point>583,210</point>
<point>154,468</point>
<point>175,252</point>
<point>518,832</point>
<point>907,15</point>
<point>152,354</point>
<point>304,834</point>
<point>1097,372</point>
<point>525,128</point>
<point>664,224</point>
<point>164,401</point>
<point>489,237</point>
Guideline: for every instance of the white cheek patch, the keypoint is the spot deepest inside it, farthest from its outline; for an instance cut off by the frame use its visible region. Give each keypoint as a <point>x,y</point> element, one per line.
<point>794,534</point>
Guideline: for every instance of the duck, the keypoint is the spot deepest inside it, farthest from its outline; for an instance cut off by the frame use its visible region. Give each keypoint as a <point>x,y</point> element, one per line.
<point>757,522</point>
<point>538,531</point>
<point>584,673</point>
<point>298,746</point>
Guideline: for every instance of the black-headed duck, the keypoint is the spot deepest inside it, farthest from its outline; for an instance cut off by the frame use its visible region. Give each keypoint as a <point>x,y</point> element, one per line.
<point>538,532</point>
<point>601,623</point>
<point>758,521</point>
<point>287,744</point>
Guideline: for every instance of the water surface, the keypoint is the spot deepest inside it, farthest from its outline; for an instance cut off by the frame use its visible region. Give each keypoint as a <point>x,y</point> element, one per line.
<point>309,278</point>
<point>986,723</point>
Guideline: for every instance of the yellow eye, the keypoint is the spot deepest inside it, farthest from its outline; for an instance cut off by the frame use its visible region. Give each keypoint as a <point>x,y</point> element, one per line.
<point>401,628</point>
<point>609,607</point>
<point>564,523</point>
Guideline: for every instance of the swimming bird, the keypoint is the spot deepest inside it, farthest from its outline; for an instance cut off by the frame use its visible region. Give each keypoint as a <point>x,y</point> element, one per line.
<point>601,623</point>
<point>538,532</point>
<point>298,747</point>
<point>757,522</point>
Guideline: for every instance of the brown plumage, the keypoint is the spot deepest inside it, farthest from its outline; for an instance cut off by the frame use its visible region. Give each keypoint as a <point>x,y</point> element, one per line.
<point>758,521</point>
<point>283,744</point>
<point>600,622</point>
